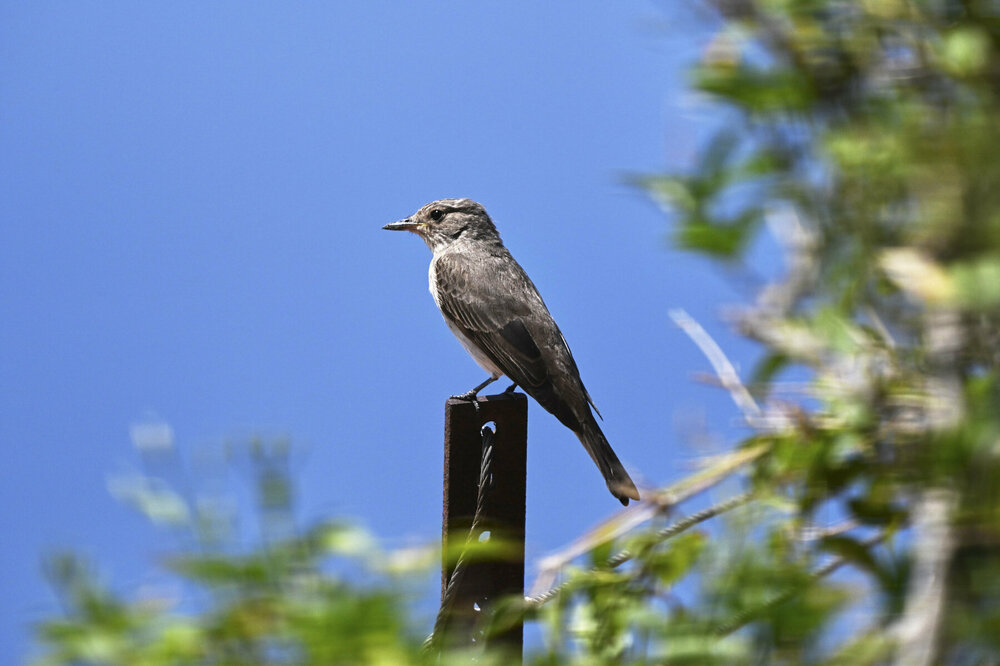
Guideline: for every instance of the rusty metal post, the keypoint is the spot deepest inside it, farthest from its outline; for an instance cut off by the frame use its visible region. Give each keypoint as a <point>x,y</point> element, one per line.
<point>503,514</point>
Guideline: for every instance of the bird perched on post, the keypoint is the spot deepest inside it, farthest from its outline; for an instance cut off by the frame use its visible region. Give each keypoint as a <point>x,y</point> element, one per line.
<point>491,305</point>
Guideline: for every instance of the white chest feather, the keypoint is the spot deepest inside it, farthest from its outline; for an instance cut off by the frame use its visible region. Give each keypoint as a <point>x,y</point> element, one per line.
<point>432,284</point>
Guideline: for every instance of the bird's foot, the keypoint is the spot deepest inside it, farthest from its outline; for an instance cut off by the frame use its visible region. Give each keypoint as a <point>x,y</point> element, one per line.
<point>510,389</point>
<point>469,396</point>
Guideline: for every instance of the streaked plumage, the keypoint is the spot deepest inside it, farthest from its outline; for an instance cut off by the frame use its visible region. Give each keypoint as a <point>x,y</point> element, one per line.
<point>494,309</point>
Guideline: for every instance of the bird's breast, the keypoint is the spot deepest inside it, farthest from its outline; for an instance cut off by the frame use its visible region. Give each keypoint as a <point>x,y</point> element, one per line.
<point>471,347</point>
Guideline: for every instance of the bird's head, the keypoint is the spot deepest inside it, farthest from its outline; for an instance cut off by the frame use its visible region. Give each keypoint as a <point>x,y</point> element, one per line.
<point>441,223</point>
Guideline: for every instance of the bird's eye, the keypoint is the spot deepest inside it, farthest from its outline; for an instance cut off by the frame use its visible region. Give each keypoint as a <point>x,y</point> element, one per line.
<point>437,214</point>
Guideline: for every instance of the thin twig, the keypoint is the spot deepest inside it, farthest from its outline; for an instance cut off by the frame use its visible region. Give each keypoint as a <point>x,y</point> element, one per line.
<point>880,326</point>
<point>655,502</point>
<point>667,532</point>
<point>814,533</point>
<point>723,368</point>
<point>748,616</point>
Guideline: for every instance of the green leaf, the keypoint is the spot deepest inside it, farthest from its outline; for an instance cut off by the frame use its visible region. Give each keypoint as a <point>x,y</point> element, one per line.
<point>670,192</point>
<point>853,551</point>
<point>672,563</point>
<point>154,498</point>
<point>874,510</point>
<point>221,569</point>
<point>764,372</point>
<point>722,240</point>
<point>757,91</point>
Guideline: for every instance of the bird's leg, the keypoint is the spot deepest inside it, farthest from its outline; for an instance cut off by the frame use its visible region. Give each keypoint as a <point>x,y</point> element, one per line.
<point>510,389</point>
<point>471,395</point>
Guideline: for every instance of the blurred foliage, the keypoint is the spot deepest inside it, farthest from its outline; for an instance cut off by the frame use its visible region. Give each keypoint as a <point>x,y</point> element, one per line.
<point>288,600</point>
<point>862,136</point>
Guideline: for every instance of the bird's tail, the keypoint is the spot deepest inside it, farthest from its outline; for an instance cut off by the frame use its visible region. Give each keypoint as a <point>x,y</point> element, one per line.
<point>618,480</point>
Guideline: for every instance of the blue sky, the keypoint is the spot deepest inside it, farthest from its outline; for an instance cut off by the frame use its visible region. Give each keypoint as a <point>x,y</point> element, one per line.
<point>192,203</point>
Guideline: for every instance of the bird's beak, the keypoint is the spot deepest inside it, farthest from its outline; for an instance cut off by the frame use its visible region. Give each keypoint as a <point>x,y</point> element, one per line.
<point>403,225</point>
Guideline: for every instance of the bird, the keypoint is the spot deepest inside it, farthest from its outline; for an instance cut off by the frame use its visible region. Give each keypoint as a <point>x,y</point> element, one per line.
<point>494,309</point>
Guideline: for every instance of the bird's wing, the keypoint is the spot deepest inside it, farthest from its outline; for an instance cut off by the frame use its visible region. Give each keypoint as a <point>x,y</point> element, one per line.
<point>493,316</point>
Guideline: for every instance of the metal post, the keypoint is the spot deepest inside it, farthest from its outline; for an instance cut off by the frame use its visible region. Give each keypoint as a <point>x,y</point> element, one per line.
<point>503,516</point>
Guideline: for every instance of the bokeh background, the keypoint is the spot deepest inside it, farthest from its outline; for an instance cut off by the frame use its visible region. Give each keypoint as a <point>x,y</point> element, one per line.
<point>192,201</point>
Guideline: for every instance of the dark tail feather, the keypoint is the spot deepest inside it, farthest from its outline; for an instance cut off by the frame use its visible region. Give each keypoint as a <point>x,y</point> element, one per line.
<point>618,480</point>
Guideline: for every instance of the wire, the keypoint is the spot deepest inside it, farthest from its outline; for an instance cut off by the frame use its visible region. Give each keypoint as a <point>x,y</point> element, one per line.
<point>485,483</point>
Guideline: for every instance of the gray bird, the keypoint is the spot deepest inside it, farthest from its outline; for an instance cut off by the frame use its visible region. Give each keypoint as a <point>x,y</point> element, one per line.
<point>491,305</point>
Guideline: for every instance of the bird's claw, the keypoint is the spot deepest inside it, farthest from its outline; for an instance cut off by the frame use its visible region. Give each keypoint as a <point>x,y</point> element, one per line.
<point>468,396</point>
